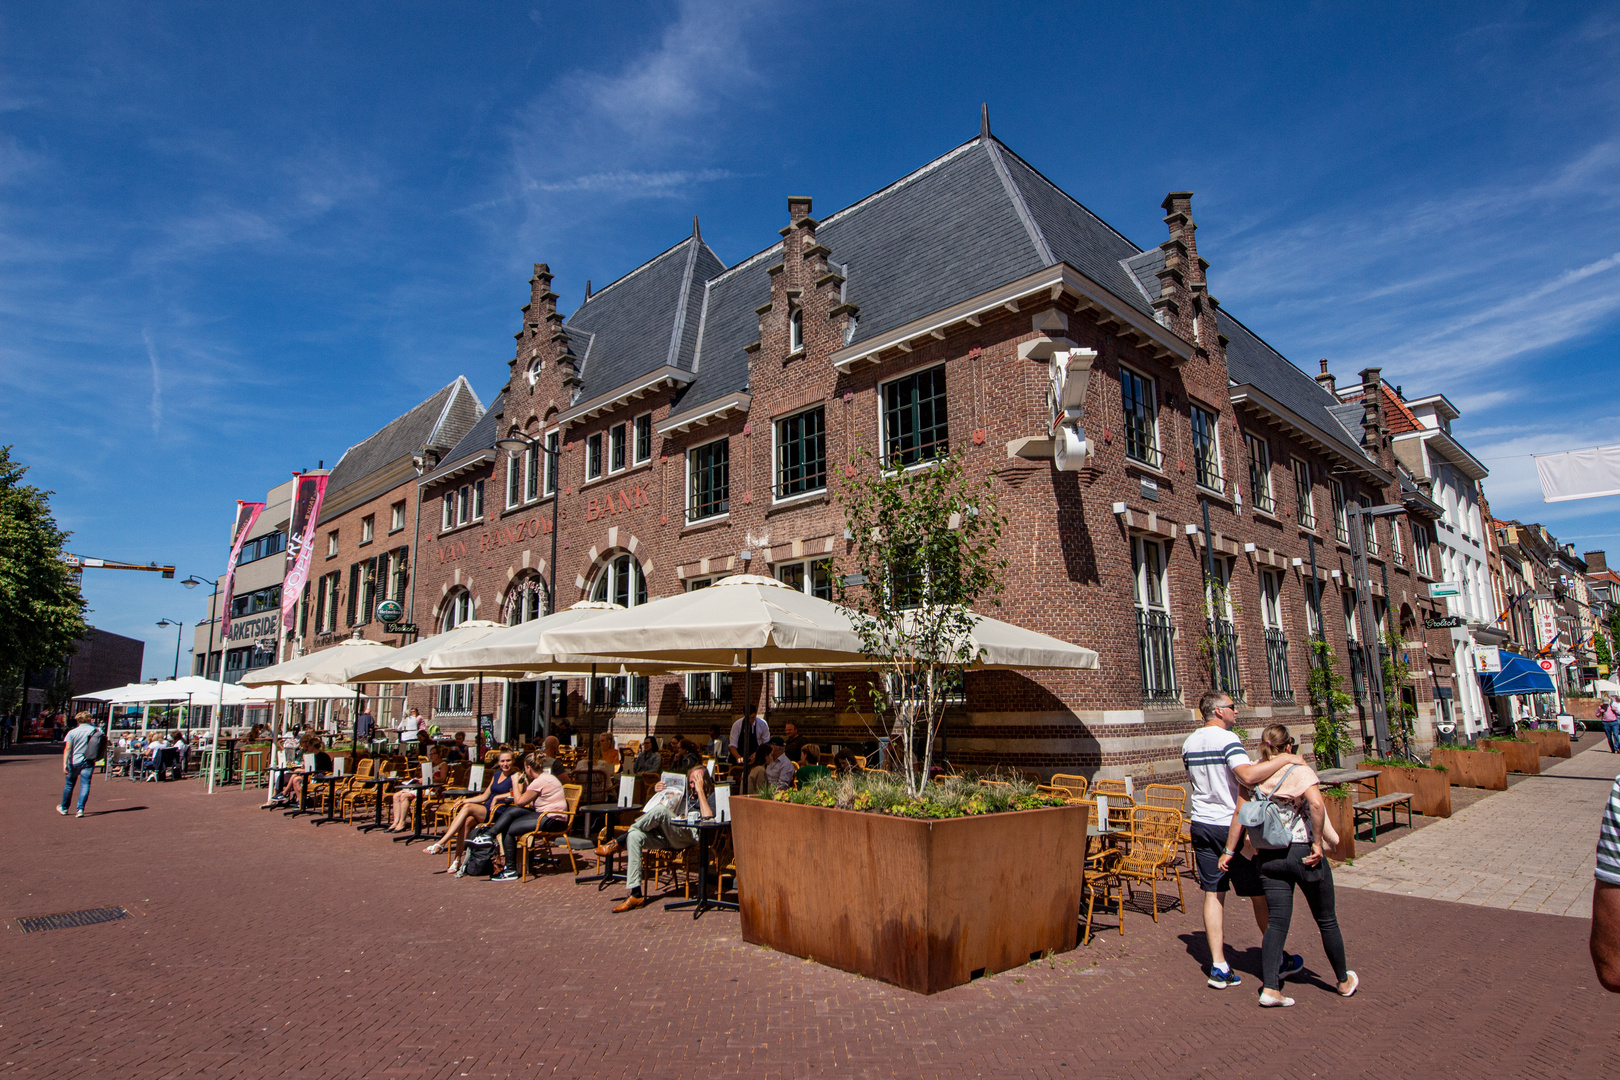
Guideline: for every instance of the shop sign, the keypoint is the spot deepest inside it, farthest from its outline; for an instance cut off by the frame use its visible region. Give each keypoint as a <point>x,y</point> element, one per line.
<point>1546,665</point>
<point>494,539</point>
<point>389,611</point>
<point>1445,588</point>
<point>1487,661</point>
<point>257,626</point>
<point>1449,622</point>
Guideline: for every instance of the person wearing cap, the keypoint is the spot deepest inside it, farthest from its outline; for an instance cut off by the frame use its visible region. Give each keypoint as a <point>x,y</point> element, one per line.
<point>779,768</point>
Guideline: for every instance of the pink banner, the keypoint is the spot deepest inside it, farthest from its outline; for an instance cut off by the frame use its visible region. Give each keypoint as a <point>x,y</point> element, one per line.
<point>246,514</point>
<point>306,511</point>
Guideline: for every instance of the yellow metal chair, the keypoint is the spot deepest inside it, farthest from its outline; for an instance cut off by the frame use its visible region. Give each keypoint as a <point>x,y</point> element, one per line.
<point>1155,836</point>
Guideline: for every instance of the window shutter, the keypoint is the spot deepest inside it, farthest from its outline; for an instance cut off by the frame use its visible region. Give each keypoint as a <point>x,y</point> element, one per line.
<point>354,587</point>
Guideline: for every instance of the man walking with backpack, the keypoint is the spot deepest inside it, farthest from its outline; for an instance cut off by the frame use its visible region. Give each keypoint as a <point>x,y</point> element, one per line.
<point>1216,764</point>
<point>81,749</point>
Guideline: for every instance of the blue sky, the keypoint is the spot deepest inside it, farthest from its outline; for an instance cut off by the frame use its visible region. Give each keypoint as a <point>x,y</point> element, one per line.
<point>236,239</point>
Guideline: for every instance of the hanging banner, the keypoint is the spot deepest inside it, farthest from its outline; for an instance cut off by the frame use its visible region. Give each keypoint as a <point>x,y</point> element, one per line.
<point>1579,474</point>
<point>306,511</point>
<point>246,514</point>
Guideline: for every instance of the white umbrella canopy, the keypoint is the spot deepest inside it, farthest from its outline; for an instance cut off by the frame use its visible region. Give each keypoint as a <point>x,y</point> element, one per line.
<point>329,666</point>
<point>198,690</point>
<point>118,695</point>
<point>514,652</point>
<point>1605,686</point>
<point>306,692</point>
<point>405,663</point>
<point>714,628</point>
<point>1002,646</point>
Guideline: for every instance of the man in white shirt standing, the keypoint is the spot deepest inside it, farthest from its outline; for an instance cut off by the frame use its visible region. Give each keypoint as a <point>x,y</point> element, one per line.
<point>1216,764</point>
<point>762,735</point>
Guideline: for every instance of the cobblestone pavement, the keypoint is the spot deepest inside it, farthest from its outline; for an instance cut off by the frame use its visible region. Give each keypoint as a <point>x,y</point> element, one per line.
<point>265,947</point>
<point>1529,848</point>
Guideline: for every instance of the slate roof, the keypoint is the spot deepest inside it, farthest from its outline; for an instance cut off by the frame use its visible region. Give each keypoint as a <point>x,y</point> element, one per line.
<point>480,437</point>
<point>644,320</point>
<point>436,424</point>
<point>976,218</point>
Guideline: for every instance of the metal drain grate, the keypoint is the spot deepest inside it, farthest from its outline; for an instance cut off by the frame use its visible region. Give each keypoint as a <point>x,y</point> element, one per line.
<point>88,917</point>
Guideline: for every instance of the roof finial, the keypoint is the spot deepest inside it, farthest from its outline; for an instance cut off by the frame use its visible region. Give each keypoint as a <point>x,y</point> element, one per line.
<point>984,122</point>
<point>697,233</point>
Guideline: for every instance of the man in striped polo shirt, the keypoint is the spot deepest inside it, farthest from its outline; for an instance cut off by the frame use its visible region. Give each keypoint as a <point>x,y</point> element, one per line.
<point>1216,763</point>
<point>1606,897</point>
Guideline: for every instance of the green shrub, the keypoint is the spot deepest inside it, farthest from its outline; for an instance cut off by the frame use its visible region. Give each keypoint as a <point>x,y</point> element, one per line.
<point>957,796</point>
<point>1401,763</point>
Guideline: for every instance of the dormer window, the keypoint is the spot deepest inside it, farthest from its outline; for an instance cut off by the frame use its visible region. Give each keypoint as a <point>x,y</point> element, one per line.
<point>795,328</point>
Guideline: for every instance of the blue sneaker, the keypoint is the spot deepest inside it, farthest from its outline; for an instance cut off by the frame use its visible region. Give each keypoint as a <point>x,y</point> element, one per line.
<point>1292,964</point>
<point>1220,980</point>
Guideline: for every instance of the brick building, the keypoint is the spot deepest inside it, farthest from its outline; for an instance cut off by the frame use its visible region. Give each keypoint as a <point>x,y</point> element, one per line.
<point>365,539</point>
<point>703,413</point>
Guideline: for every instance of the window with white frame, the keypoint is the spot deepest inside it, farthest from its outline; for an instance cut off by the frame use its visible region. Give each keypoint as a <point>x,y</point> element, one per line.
<point>326,603</point>
<point>795,328</point>
<point>1140,404</point>
<point>457,609</point>
<point>708,480</point>
<point>593,456</point>
<point>553,450</point>
<point>1341,519</point>
<point>1271,613</point>
<point>514,480</point>
<point>1206,448</point>
<point>1304,504</point>
<point>332,544</point>
<point>457,698</point>
<point>396,517</point>
<point>448,518</point>
<point>916,426</point>
<point>814,577</point>
<point>525,599</point>
<point>618,436</point>
<point>1396,550</point>
<point>1260,473</point>
<point>643,438</point>
<point>620,581</point>
<point>368,528</point>
<point>801,453</point>
<point>1155,632</point>
<point>1147,563</point>
<point>1420,550</point>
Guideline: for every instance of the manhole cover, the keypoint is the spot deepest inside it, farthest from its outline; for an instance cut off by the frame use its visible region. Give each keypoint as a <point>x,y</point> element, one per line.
<point>88,917</point>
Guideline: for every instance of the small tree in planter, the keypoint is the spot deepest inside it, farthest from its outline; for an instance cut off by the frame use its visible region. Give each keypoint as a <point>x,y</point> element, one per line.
<point>924,553</point>
<point>1402,716</point>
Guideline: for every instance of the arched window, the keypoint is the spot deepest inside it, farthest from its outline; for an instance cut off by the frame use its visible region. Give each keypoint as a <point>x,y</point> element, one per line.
<point>621,581</point>
<point>526,600</point>
<point>457,609</point>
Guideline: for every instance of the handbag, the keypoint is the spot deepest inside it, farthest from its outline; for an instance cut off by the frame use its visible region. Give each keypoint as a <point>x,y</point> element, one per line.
<point>1267,819</point>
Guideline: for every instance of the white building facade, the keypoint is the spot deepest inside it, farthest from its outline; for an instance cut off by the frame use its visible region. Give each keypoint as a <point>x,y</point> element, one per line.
<point>1453,475</point>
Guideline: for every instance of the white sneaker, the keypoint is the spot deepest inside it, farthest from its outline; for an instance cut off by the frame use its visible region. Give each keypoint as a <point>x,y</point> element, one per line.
<point>62,810</point>
<point>79,814</point>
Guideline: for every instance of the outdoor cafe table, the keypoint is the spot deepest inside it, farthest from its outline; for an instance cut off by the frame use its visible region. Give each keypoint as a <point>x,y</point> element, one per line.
<point>416,814</point>
<point>705,829</point>
<point>609,812</point>
<point>379,782</point>
<point>1332,777</point>
<point>330,779</point>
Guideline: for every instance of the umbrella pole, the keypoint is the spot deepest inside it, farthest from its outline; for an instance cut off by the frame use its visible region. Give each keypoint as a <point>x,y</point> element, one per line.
<point>478,717</point>
<point>354,723</point>
<point>590,740</point>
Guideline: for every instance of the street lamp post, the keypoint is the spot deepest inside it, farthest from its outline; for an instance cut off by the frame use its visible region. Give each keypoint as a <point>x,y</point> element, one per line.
<point>219,702</point>
<point>519,443</point>
<point>179,629</point>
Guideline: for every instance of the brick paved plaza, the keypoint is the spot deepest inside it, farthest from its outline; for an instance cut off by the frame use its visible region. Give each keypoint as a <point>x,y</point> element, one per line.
<point>263,947</point>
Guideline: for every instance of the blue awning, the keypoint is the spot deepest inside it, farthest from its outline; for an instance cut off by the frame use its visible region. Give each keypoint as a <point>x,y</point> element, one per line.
<point>1518,676</point>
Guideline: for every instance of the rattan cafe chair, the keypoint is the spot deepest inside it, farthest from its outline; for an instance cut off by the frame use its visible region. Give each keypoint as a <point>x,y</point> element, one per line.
<point>1154,840</point>
<point>541,843</point>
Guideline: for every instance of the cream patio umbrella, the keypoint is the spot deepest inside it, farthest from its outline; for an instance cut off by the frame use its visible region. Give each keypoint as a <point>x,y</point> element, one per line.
<point>405,663</point>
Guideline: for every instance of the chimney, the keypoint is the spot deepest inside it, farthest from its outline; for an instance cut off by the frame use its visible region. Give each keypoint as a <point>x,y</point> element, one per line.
<point>798,208</point>
<point>1372,408</point>
<point>1596,562</point>
<point>1326,380</point>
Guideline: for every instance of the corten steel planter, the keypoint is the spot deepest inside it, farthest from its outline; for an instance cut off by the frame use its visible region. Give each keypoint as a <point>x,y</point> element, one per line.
<point>1472,768</point>
<point>1550,743</point>
<point>1521,756</point>
<point>1343,819</point>
<point>925,905</point>
<point>1429,788</point>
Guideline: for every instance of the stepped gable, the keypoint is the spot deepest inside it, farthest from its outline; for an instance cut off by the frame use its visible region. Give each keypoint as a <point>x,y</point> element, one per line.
<point>435,425</point>
<point>644,320</point>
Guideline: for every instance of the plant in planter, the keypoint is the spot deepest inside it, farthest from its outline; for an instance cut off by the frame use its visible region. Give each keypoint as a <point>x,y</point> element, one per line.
<point>955,796</point>
<point>924,552</point>
<point>1330,704</point>
<point>1426,783</point>
<point>1397,678</point>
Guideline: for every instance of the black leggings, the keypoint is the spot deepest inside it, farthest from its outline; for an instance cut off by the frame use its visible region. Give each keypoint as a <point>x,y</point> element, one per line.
<point>513,822</point>
<point>1280,871</point>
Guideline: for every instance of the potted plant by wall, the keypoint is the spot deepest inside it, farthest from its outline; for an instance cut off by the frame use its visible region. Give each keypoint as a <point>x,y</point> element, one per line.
<point>893,876</point>
<point>1485,767</point>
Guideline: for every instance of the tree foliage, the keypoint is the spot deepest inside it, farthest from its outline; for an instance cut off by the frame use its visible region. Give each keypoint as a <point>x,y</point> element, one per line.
<point>1330,704</point>
<point>1402,716</point>
<point>41,608</point>
<point>924,552</point>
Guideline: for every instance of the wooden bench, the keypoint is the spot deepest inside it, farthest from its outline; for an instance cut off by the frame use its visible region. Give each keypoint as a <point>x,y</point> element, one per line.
<point>1392,802</point>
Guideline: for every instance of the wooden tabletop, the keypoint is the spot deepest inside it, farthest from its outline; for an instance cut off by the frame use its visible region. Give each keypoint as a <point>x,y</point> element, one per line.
<point>1345,776</point>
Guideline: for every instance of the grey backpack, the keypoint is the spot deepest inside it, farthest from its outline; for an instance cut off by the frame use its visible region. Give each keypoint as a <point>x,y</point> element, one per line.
<point>1269,821</point>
